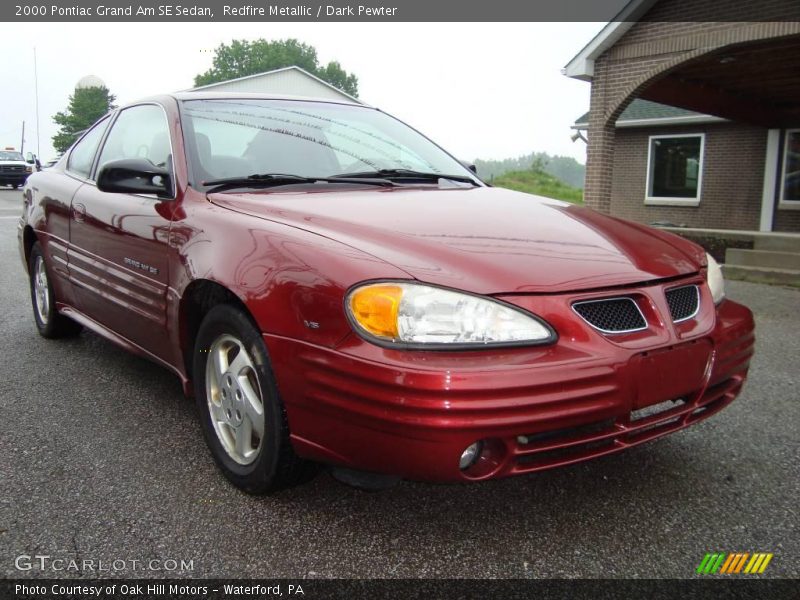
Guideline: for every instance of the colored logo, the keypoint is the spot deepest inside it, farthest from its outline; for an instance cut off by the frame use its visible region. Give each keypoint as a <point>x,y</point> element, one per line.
<point>734,563</point>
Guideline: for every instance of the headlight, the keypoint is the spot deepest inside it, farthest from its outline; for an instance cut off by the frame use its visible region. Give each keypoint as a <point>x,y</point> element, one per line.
<point>29,169</point>
<point>715,281</point>
<point>411,314</point>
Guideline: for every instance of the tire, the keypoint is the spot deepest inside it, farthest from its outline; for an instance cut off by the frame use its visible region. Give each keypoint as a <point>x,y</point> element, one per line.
<point>49,322</point>
<point>236,397</point>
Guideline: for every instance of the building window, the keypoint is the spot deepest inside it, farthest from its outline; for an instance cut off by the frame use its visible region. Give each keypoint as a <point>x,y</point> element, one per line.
<point>675,169</point>
<point>790,174</point>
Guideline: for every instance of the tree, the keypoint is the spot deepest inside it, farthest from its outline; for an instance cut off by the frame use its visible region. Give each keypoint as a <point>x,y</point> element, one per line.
<point>565,168</point>
<point>241,58</point>
<point>86,106</point>
<point>539,163</point>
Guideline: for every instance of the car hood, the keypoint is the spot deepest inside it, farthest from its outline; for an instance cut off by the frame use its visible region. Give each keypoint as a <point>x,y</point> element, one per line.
<point>484,240</point>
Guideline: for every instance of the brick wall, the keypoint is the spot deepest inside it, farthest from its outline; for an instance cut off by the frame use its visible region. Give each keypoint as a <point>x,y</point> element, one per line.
<point>671,34</point>
<point>787,220</point>
<point>733,177</point>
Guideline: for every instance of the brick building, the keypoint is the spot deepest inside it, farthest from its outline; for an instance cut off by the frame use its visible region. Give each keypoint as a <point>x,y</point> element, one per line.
<point>695,122</point>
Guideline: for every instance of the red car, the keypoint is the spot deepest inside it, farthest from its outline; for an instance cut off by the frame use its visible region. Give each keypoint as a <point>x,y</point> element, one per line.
<point>332,287</point>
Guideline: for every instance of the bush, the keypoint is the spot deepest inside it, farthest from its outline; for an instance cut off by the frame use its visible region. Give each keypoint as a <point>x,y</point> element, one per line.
<point>536,181</point>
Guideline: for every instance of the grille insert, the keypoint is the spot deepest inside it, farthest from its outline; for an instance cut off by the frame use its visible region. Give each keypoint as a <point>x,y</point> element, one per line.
<point>612,315</point>
<point>684,302</point>
<point>559,435</point>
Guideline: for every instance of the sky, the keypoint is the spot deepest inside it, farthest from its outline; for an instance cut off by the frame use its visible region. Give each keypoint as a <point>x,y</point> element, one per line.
<point>480,90</point>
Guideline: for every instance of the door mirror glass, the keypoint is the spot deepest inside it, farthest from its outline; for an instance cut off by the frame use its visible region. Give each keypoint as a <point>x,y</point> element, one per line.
<point>134,176</point>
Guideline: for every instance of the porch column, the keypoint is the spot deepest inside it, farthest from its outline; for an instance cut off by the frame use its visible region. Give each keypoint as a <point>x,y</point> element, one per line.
<point>770,180</point>
<point>599,165</point>
<point>600,148</point>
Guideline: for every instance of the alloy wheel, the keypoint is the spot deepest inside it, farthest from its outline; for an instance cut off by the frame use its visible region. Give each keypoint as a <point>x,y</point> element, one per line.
<point>41,290</point>
<point>234,399</point>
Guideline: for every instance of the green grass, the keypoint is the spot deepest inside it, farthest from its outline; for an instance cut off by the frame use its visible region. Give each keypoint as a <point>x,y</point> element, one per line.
<point>539,183</point>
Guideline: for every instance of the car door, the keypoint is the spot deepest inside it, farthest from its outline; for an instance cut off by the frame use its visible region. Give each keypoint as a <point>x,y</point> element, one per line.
<point>119,242</point>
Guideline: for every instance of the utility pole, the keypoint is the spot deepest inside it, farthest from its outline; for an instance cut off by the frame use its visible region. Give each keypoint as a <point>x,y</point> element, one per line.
<point>36,87</point>
<point>22,143</point>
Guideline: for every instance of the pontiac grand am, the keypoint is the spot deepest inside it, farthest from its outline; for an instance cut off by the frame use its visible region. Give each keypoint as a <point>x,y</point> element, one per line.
<point>333,287</point>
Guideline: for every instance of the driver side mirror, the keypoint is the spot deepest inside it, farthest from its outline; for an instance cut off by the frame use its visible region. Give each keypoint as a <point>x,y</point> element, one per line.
<point>135,176</point>
<point>470,166</point>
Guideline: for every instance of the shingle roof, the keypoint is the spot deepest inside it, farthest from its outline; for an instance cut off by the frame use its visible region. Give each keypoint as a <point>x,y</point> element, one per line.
<point>645,112</point>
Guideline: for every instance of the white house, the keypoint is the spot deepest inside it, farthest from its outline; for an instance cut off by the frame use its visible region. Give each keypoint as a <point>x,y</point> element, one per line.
<point>292,81</point>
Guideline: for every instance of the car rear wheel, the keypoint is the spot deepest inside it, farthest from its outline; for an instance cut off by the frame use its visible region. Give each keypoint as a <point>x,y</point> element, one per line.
<point>49,322</point>
<point>243,418</point>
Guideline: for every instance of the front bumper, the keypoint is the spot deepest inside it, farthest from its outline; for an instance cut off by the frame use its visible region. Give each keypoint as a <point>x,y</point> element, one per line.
<point>413,413</point>
<point>12,178</point>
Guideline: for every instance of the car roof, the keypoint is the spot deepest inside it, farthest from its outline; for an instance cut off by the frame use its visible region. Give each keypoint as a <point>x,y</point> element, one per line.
<point>204,95</point>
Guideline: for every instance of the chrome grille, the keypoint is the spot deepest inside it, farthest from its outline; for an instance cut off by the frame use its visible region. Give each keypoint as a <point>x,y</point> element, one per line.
<point>684,302</point>
<point>12,169</point>
<point>612,315</point>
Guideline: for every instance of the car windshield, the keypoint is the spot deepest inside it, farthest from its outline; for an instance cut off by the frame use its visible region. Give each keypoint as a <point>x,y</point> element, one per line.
<point>241,137</point>
<point>6,155</point>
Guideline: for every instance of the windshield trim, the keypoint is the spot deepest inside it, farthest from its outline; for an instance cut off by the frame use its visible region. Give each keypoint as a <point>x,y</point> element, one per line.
<point>192,159</point>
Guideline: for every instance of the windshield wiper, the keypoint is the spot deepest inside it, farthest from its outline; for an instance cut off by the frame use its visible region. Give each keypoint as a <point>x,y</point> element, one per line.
<point>406,174</point>
<point>277,179</point>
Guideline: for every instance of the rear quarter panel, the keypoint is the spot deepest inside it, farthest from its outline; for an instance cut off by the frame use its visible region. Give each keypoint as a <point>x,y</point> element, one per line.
<point>47,211</point>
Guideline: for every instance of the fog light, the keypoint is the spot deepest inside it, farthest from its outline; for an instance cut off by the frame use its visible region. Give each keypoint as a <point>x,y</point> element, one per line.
<point>470,455</point>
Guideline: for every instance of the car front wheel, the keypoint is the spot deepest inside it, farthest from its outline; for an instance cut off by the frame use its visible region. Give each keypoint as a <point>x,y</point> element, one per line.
<point>49,322</point>
<point>243,418</point>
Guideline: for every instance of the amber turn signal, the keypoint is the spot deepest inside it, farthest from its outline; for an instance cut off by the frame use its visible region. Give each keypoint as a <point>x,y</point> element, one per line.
<point>375,307</point>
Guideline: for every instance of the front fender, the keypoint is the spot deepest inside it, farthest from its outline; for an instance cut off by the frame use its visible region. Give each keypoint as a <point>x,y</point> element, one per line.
<point>292,281</point>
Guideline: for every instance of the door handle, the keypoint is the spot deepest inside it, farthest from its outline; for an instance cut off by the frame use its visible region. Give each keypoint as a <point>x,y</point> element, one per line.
<point>78,212</point>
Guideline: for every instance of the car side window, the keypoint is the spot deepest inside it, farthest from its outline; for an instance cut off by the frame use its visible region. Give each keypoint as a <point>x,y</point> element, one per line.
<point>82,155</point>
<point>139,132</point>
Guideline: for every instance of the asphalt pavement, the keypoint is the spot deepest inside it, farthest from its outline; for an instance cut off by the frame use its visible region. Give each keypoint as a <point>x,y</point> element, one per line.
<point>102,459</point>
